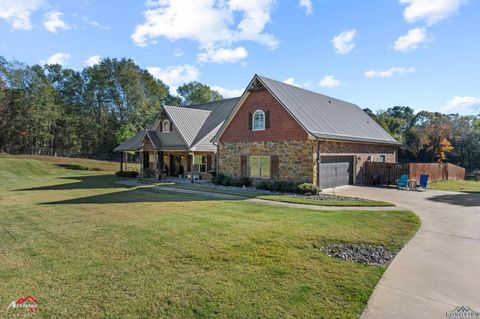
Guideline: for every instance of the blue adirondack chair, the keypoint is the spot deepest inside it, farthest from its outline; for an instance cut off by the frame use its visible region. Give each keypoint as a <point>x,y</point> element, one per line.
<point>423,185</point>
<point>402,183</point>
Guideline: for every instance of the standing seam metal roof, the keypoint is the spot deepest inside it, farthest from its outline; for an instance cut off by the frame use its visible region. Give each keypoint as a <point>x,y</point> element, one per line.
<point>327,117</point>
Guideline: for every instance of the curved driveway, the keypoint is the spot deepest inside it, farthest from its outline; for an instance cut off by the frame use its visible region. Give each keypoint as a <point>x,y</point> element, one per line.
<point>439,268</point>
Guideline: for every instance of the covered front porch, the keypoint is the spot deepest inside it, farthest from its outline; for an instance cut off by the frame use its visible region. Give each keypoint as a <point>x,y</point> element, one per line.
<point>162,165</point>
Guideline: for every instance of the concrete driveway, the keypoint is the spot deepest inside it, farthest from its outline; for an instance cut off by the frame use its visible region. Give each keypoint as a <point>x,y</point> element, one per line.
<point>439,268</point>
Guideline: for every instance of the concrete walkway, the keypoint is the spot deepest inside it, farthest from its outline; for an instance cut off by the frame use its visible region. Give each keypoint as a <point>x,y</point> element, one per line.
<point>134,183</point>
<point>439,268</point>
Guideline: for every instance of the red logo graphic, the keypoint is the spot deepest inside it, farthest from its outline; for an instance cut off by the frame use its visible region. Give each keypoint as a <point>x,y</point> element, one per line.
<point>28,302</point>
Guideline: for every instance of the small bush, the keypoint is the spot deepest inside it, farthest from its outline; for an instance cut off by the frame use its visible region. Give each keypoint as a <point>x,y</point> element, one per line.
<point>217,179</point>
<point>225,180</point>
<point>129,174</point>
<point>242,181</point>
<point>307,188</point>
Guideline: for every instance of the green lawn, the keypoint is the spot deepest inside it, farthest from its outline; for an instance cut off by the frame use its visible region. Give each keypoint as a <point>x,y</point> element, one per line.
<point>89,248</point>
<point>288,199</point>
<point>328,202</point>
<point>457,186</point>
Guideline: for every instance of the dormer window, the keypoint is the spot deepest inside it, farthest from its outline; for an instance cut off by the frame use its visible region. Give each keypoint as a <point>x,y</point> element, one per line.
<point>166,126</point>
<point>258,121</point>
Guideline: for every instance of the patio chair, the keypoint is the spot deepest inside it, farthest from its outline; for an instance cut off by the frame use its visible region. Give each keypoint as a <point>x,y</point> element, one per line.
<point>423,185</point>
<point>402,183</point>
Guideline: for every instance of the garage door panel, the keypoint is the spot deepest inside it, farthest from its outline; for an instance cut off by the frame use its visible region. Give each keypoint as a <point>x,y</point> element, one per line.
<point>335,171</point>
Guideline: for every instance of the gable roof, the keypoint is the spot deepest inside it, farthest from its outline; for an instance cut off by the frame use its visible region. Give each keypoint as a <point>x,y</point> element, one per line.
<point>195,126</point>
<point>132,144</point>
<point>188,121</point>
<point>322,116</point>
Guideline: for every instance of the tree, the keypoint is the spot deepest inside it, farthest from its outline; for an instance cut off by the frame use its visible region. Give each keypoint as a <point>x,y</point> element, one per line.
<point>444,148</point>
<point>197,93</point>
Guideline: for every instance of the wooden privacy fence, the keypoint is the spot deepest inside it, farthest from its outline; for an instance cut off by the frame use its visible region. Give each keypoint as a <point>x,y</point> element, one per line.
<point>376,173</point>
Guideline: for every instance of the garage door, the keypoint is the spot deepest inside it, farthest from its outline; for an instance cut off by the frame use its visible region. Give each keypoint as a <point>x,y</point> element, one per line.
<point>335,171</point>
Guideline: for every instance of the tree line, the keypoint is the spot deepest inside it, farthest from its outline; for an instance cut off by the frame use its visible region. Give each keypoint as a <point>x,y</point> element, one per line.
<point>89,112</point>
<point>433,136</point>
<point>86,113</point>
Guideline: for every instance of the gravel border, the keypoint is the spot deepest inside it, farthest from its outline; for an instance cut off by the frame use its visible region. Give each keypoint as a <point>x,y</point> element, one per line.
<point>360,253</point>
<point>319,196</point>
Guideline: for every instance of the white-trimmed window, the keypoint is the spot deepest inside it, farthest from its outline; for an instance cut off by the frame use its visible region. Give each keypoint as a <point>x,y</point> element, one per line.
<point>166,126</point>
<point>381,158</point>
<point>258,120</point>
<point>259,166</point>
<point>200,163</point>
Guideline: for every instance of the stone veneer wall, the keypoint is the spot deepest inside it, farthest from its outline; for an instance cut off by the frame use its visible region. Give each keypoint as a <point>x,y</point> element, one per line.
<point>295,158</point>
<point>361,151</point>
<point>298,159</point>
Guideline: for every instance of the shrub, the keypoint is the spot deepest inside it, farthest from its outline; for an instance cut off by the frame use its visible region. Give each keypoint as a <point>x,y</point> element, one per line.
<point>225,180</point>
<point>217,179</point>
<point>129,174</point>
<point>307,188</point>
<point>242,181</point>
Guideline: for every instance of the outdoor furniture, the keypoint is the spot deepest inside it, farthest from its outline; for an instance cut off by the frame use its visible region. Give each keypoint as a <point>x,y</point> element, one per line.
<point>423,185</point>
<point>412,184</point>
<point>402,183</point>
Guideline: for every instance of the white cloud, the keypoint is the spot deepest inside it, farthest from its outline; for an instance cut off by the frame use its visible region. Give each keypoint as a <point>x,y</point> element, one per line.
<point>430,11</point>
<point>174,76</point>
<point>178,52</point>
<point>389,72</point>
<point>91,61</point>
<point>329,81</point>
<point>411,41</point>
<point>57,58</point>
<point>307,4</point>
<point>53,21</point>
<point>290,81</point>
<point>214,24</point>
<point>94,23</point>
<point>227,93</point>
<point>461,103</point>
<point>223,55</point>
<point>18,12</point>
<point>344,42</point>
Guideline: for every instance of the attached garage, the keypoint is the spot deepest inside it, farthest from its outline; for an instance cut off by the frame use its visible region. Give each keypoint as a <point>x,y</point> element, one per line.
<point>335,171</point>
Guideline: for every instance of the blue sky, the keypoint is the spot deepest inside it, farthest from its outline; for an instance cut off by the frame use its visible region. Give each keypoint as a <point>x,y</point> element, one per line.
<point>375,53</point>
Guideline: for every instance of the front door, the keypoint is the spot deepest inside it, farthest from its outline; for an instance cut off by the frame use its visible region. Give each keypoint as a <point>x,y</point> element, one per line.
<point>174,165</point>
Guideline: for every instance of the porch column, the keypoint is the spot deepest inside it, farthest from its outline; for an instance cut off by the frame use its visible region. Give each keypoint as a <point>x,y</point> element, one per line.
<point>191,168</point>
<point>121,161</point>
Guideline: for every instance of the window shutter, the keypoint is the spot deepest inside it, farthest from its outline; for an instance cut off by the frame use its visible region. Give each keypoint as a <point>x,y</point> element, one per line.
<point>243,165</point>
<point>209,163</point>
<point>189,163</point>
<point>161,126</point>
<point>171,126</point>
<point>267,119</point>
<point>250,120</point>
<point>274,169</point>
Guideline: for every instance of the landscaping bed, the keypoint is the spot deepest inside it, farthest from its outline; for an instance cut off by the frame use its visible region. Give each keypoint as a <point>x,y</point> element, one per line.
<point>360,253</point>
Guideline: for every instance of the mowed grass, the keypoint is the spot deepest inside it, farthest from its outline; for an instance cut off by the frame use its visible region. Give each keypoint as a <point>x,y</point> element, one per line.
<point>467,186</point>
<point>326,202</point>
<point>89,248</point>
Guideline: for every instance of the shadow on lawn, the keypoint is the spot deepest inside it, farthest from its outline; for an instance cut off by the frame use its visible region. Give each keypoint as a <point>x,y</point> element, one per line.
<point>134,196</point>
<point>131,195</point>
<point>469,200</point>
<point>80,182</point>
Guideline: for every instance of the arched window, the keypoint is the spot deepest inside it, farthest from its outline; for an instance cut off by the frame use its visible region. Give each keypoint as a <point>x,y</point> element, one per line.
<point>166,126</point>
<point>258,120</point>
